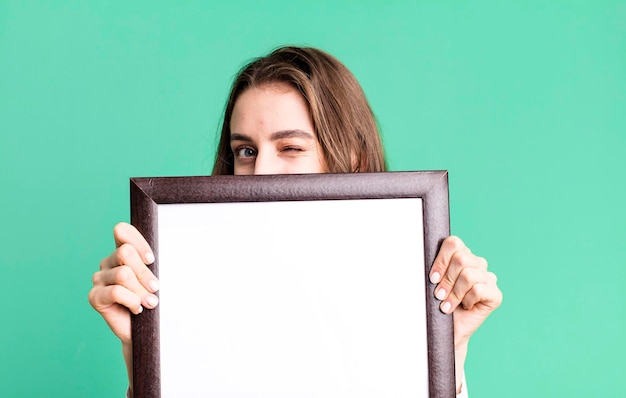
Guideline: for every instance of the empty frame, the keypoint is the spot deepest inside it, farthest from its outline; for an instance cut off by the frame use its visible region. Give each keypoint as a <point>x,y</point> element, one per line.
<point>293,286</point>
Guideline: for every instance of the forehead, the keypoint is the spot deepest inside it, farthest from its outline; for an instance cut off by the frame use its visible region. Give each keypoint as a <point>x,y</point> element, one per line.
<point>269,108</point>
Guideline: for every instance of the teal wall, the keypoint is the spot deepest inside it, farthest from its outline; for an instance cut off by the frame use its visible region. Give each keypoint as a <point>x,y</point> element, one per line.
<point>523,102</point>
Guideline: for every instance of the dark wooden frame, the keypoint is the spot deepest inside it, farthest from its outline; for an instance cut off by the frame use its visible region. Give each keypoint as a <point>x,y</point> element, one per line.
<point>431,186</point>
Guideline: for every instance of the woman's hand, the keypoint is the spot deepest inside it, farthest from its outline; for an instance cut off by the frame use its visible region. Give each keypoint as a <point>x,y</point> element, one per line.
<point>124,284</point>
<point>465,288</point>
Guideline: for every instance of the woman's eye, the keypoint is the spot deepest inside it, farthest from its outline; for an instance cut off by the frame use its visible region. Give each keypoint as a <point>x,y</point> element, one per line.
<point>245,153</point>
<point>292,149</point>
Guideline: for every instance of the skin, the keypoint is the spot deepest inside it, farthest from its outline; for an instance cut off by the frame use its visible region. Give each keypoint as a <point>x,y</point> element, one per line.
<point>272,133</point>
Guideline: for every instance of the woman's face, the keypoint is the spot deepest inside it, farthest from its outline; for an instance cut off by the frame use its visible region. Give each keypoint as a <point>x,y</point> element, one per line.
<point>271,132</point>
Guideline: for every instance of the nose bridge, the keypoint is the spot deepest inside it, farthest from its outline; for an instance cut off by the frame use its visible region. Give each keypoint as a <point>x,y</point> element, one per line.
<point>266,163</point>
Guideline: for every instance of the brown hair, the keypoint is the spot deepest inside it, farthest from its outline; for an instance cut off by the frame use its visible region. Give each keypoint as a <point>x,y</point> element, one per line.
<point>342,118</point>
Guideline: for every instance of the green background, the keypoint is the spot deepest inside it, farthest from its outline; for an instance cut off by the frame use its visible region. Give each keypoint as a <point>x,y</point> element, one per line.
<point>523,102</point>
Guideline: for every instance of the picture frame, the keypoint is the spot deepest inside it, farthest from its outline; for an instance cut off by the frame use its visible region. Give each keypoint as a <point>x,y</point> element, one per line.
<point>340,336</point>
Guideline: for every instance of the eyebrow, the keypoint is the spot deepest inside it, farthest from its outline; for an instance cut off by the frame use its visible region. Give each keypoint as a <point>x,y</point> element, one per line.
<point>278,135</point>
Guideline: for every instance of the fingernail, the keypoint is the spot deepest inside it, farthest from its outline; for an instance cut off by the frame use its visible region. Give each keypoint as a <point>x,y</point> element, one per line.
<point>440,294</point>
<point>445,307</point>
<point>435,277</point>
<point>149,257</point>
<point>140,309</point>
<point>154,285</point>
<point>152,300</point>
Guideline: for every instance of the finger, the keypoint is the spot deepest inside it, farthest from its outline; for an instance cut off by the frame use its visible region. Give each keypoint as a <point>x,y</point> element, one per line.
<point>486,293</point>
<point>127,255</point>
<point>124,276</point>
<point>126,233</point>
<point>461,259</point>
<point>109,262</point>
<point>450,246</point>
<point>467,279</point>
<point>103,297</point>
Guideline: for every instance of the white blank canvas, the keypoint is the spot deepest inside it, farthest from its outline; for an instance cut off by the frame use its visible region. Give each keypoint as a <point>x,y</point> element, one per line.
<point>293,299</point>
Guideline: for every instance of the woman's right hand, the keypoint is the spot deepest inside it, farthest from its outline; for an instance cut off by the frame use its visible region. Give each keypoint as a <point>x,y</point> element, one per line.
<point>124,284</point>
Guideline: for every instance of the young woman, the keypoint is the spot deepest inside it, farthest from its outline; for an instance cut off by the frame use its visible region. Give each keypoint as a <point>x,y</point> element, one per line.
<point>297,110</point>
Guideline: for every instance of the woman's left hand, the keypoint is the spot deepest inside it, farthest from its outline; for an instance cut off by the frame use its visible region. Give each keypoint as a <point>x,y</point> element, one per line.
<point>465,288</point>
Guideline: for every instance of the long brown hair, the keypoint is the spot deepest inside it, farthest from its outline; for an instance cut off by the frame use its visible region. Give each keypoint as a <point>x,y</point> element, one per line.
<point>342,118</point>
